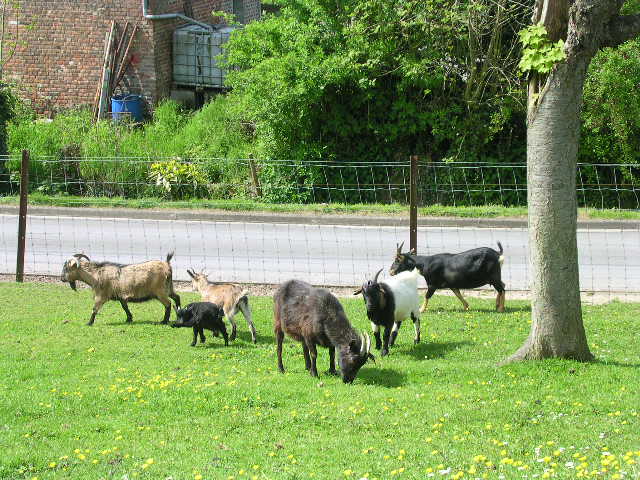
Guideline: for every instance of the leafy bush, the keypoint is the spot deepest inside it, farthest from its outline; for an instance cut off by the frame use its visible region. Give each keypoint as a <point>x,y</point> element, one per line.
<point>177,180</point>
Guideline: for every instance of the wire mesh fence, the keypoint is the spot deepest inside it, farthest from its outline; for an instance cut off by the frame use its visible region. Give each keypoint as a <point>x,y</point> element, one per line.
<point>272,247</point>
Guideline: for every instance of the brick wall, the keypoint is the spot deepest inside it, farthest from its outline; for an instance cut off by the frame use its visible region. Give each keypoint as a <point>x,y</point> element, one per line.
<point>60,63</point>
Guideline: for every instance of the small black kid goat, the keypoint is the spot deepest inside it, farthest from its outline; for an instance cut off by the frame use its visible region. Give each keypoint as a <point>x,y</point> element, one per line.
<point>201,316</point>
<point>471,269</point>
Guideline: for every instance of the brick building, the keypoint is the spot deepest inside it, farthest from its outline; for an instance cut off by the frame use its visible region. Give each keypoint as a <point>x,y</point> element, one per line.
<point>59,58</point>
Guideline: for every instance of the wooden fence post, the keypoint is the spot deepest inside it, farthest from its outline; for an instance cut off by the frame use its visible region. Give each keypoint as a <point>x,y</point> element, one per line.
<point>22,219</point>
<point>254,176</point>
<point>413,204</point>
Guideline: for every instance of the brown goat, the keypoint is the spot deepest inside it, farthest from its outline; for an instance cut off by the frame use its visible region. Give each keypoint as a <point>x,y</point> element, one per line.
<point>126,283</point>
<point>230,297</point>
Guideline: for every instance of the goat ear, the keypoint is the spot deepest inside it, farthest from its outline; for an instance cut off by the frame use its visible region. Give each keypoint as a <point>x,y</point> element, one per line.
<point>383,298</point>
<point>412,251</point>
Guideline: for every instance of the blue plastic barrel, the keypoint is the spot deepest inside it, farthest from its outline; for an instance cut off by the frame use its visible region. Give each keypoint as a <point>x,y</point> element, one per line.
<point>126,105</point>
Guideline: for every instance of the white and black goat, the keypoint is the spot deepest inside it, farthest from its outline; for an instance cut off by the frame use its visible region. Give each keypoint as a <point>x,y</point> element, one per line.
<point>126,283</point>
<point>470,269</point>
<point>389,303</point>
<point>313,316</point>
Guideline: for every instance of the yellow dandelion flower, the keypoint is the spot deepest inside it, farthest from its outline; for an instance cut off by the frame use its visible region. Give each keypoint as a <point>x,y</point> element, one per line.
<point>52,465</point>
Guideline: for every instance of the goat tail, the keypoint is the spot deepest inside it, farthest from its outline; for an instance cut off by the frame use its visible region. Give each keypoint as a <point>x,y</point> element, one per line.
<point>501,258</point>
<point>170,256</point>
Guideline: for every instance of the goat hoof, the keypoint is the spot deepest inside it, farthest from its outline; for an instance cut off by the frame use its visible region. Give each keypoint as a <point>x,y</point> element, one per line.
<point>281,370</point>
<point>254,340</point>
<point>384,353</point>
<point>90,324</point>
<point>232,337</point>
<point>423,309</point>
<point>416,341</point>
<point>193,344</point>
<point>332,372</point>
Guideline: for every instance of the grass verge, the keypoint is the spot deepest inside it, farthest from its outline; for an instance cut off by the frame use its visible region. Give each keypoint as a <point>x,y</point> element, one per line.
<point>485,211</point>
<point>120,400</point>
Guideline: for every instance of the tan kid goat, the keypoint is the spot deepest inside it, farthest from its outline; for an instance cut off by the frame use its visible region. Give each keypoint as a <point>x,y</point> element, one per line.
<point>230,297</point>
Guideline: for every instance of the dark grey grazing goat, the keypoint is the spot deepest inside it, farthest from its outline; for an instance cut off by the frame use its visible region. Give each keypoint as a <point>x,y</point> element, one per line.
<point>313,316</point>
<point>126,283</point>
<point>201,316</point>
<point>471,269</point>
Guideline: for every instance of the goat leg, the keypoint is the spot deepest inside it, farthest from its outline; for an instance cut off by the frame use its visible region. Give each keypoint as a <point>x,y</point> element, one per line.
<point>385,340</point>
<point>225,336</point>
<point>98,302</point>
<point>332,361</point>
<point>394,333</point>
<point>427,296</point>
<point>416,326</point>
<point>465,305</point>
<point>202,337</point>
<point>234,327</point>
<point>313,353</point>
<point>307,359</point>
<point>279,340</point>
<point>246,311</point>
<point>176,298</point>
<point>195,336</point>
<point>376,335</point>
<point>125,307</point>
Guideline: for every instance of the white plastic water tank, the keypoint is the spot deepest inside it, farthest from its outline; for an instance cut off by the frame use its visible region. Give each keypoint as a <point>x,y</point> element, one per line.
<point>194,56</point>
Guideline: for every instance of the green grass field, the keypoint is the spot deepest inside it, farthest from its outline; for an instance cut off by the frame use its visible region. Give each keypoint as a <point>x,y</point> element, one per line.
<point>240,205</point>
<point>124,401</point>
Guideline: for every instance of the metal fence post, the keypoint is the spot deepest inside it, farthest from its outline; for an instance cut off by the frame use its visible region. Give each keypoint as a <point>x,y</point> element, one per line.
<point>413,204</point>
<point>22,219</point>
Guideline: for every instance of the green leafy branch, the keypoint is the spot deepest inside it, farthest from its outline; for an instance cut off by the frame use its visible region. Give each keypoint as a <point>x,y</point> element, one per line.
<point>539,53</point>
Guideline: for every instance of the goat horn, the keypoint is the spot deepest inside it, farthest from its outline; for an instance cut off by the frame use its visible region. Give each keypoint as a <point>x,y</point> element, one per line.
<point>82,255</point>
<point>368,342</point>
<point>191,273</point>
<point>375,279</point>
<point>358,291</point>
<point>361,343</point>
<point>400,247</point>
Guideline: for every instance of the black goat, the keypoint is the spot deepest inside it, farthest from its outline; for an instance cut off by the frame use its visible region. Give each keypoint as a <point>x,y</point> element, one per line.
<point>471,269</point>
<point>313,316</point>
<point>201,316</point>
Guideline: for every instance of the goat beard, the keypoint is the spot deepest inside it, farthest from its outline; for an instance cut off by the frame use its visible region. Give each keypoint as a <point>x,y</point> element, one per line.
<point>72,284</point>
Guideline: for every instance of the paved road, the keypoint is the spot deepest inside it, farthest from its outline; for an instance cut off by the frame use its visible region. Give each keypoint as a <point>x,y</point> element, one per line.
<point>322,254</point>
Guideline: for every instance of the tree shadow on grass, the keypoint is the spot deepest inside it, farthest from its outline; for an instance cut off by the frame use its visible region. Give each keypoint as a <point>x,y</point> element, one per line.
<point>122,323</point>
<point>431,350</point>
<point>614,363</point>
<point>382,377</point>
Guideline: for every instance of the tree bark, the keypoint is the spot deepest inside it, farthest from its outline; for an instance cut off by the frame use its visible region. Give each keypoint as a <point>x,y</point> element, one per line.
<point>553,136</point>
<point>552,144</point>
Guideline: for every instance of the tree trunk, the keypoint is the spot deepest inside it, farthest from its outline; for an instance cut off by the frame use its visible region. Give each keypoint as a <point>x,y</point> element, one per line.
<point>552,144</point>
<point>553,136</point>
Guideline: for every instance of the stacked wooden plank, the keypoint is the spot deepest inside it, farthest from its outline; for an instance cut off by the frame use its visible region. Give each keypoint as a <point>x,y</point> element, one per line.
<point>116,60</point>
